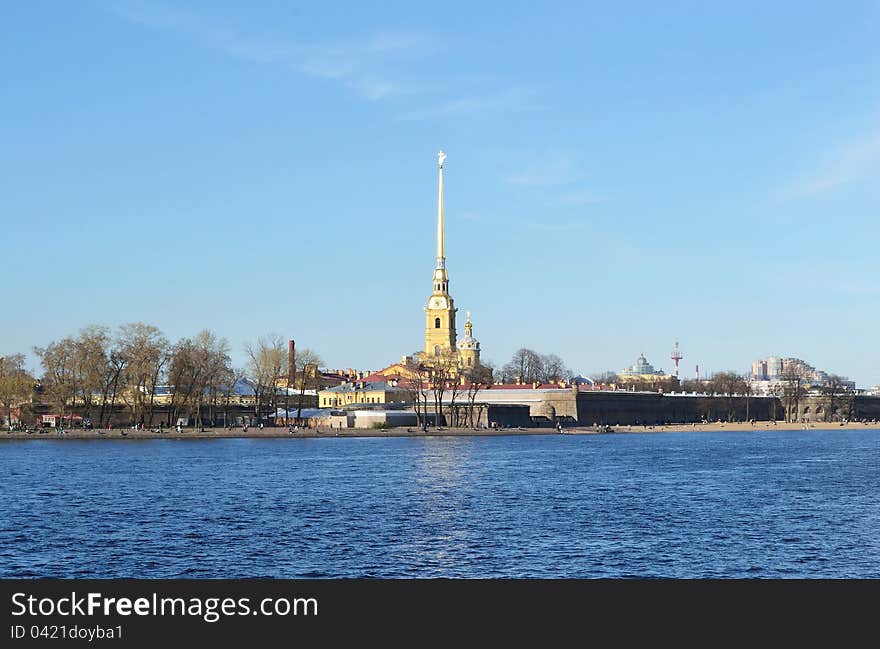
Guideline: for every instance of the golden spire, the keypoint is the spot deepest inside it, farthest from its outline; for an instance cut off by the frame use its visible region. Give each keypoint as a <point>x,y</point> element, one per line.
<point>441,249</point>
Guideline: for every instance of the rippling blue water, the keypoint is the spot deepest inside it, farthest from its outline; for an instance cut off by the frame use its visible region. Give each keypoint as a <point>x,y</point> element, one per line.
<point>754,504</point>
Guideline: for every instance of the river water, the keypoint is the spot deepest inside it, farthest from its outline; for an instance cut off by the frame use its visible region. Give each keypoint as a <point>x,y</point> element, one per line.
<point>752,504</point>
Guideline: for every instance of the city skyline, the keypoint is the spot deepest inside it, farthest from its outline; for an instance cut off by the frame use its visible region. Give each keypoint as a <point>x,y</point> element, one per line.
<point>271,171</point>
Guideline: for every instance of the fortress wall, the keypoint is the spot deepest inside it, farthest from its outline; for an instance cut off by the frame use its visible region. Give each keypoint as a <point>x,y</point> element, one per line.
<point>643,407</point>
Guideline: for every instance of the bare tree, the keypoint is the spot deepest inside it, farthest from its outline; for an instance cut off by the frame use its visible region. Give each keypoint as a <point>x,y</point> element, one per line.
<point>774,391</point>
<point>16,385</point>
<point>443,369</point>
<point>214,356</point>
<point>267,359</point>
<point>693,385</point>
<point>553,369</point>
<point>418,388</point>
<point>746,380</point>
<point>306,363</point>
<point>228,390</point>
<point>838,397</point>
<point>792,390</point>
<point>526,365</point>
<point>478,378</point>
<point>59,378</point>
<point>729,385</point>
<point>91,356</point>
<point>143,353</point>
<point>111,379</point>
<point>456,387</point>
<point>199,371</point>
<point>607,378</point>
<point>658,383</point>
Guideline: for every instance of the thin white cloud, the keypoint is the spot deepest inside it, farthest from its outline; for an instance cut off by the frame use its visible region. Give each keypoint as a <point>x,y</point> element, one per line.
<point>369,66</point>
<point>847,163</point>
<point>556,177</point>
<point>502,100</point>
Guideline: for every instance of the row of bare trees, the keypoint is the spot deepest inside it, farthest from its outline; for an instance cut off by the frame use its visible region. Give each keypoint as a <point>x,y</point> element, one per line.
<point>100,370</point>
<point>267,360</point>
<point>658,383</point>
<point>836,404</point>
<point>528,366</point>
<point>833,395</point>
<point>791,390</point>
<point>97,369</point>
<point>445,378</point>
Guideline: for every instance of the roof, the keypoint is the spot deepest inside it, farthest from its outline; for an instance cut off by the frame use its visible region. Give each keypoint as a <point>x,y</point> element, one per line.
<point>366,386</point>
<point>377,377</point>
<point>241,388</point>
<point>244,388</point>
<point>305,413</point>
<point>294,392</point>
<point>526,386</point>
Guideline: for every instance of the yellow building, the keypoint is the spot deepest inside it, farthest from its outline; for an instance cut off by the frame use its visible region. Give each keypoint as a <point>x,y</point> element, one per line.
<point>440,336</point>
<point>362,392</point>
<point>641,370</point>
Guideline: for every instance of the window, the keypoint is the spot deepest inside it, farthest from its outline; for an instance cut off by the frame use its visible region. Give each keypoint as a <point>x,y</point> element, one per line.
<point>436,350</point>
<point>436,323</point>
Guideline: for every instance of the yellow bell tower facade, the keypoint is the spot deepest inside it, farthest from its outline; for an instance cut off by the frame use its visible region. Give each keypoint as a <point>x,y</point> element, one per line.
<point>440,337</point>
<point>440,310</point>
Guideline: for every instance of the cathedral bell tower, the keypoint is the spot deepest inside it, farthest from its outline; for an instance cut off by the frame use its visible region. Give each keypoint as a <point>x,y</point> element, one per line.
<point>440,310</point>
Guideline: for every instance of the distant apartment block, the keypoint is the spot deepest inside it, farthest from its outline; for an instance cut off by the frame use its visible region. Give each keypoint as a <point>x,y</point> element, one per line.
<point>769,374</point>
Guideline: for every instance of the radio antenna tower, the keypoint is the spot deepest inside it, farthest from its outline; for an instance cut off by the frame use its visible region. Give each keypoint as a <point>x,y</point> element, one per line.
<point>676,357</point>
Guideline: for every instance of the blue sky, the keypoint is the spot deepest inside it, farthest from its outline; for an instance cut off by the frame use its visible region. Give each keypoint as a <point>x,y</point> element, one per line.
<point>620,175</point>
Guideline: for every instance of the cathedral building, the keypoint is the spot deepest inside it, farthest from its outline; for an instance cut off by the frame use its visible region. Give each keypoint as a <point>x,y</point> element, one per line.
<point>440,334</point>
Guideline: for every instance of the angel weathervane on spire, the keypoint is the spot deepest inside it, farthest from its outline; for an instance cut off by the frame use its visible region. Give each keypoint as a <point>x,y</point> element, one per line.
<point>440,158</point>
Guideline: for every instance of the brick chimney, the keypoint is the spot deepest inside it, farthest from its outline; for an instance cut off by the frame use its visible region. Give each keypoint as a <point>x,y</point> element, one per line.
<point>291,363</point>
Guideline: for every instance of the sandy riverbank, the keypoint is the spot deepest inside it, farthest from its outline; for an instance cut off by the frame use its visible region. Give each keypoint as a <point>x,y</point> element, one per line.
<point>221,433</point>
<point>278,432</point>
<point>733,427</point>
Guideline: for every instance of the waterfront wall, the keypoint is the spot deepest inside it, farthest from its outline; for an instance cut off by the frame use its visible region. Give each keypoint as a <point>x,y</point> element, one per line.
<point>644,407</point>
<point>120,415</point>
<point>820,408</point>
<point>649,408</point>
<point>546,407</point>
